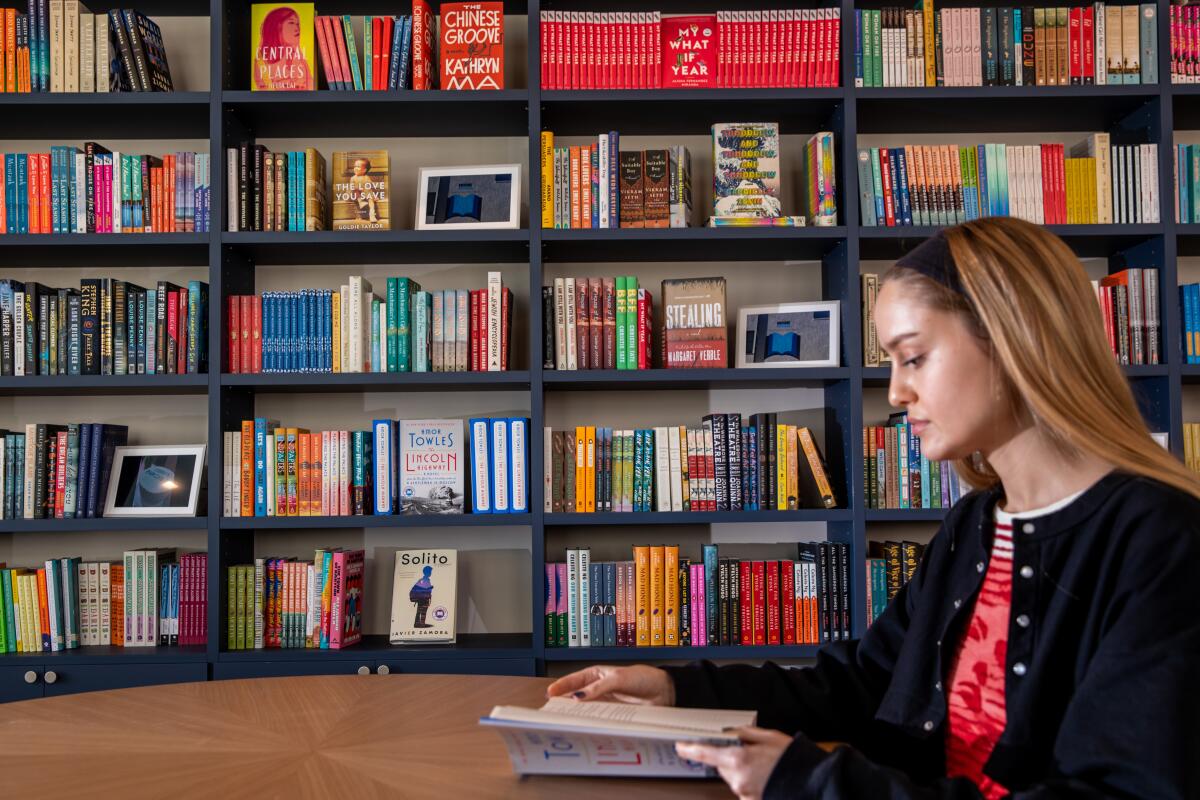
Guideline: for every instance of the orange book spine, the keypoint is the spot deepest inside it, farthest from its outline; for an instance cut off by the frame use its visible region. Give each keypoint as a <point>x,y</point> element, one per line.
<point>247,487</point>
<point>302,475</point>
<point>316,477</point>
<point>116,608</point>
<point>671,578</point>
<point>576,188</point>
<point>641,584</point>
<point>43,610</point>
<point>589,504</point>
<point>580,469</point>
<point>657,596</point>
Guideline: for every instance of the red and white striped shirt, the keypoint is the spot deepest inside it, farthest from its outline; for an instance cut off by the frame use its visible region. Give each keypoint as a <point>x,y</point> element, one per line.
<point>975,700</point>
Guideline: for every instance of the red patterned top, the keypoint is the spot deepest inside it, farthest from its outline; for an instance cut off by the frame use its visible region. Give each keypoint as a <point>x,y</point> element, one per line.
<point>975,700</point>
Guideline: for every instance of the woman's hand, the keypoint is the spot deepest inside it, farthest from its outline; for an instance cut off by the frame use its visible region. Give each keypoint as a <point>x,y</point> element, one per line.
<point>639,684</point>
<point>746,768</point>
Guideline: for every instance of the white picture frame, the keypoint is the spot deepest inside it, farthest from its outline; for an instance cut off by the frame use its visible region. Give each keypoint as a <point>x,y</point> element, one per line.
<point>130,496</point>
<point>830,355</point>
<point>426,193</point>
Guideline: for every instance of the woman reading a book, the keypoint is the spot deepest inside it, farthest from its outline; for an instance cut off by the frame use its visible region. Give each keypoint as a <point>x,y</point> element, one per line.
<point>1049,643</point>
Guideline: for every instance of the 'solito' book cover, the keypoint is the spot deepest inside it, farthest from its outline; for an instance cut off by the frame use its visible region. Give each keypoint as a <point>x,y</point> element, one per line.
<point>431,464</point>
<point>694,329</point>
<point>282,56</point>
<point>601,738</point>
<point>423,595</point>
<point>689,52</point>
<point>472,45</point>
<point>360,191</point>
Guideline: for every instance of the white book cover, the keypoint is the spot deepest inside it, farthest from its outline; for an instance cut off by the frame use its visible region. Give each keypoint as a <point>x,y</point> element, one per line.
<point>437,349</point>
<point>572,597</point>
<point>344,328</point>
<point>662,470</point>
<point>102,56</point>
<point>1135,185</point>
<point>602,160</point>
<point>18,337</point>
<point>481,467</point>
<point>518,448</point>
<point>353,315</point>
<point>382,459</point>
<point>570,331</point>
<point>494,289</point>
<point>431,466</point>
<point>449,330</point>
<point>383,338</point>
<point>57,72</point>
<point>105,575</point>
<point>582,600</point>
<point>560,324</point>
<point>80,221</point>
<point>71,46</point>
<point>85,606</point>
<point>424,591</point>
<point>344,473</point>
<point>130,558</point>
<point>547,470</point>
<point>501,503</point>
<point>87,51</point>
<point>463,322</point>
<point>675,468</point>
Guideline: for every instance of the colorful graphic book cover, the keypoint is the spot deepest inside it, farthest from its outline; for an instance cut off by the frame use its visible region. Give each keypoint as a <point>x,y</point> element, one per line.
<point>361,191</point>
<point>431,463</point>
<point>423,596</point>
<point>346,612</point>
<point>282,54</point>
<point>689,52</point>
<point>746,169</point>
<point>472,45</point>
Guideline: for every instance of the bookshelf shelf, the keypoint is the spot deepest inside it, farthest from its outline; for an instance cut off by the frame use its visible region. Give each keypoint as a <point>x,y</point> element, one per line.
<point>468,646</point>
<point>1088,241</point>
<point>106,524</point>
<point>698,517</point>
<point>109,115</point>
<point>690,244</point>
<point>691,378</point>
<point>103,384</point>
<point>324,113</point>
<point>735,652</point>
<point>513,380</point>
<point>300,248</point>
<point>107,654</point>
<point>105,249</point>
<point>905,514</point>
<point>1189,373</point>
<point>377,521</point>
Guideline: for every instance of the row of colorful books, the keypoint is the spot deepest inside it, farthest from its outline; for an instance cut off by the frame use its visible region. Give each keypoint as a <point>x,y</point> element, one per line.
<point>1129,306</point>
<point>948,184</point>
<point>663,599</point>
<point>56,471</point>
<point>720,465</point>
<point>647,50</point>
<point>396,467</point>
<point>352,330</point>
<point>890,566</point>
<point>1191,445</point>
<point>282,191</point>
<point>1094,43</point>
<point>105,327</point>
<point>286,603</point>
<point>151,598</point>
<point>896,474</point>
<point>59,46</point>
<point>597,185</point>
<point>1185,43</point>
<point>597,323</point>
<point>94,190</point>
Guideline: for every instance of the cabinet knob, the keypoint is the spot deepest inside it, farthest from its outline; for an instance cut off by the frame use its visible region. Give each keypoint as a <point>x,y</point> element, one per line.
<point>31,676</point>
<point>51,676</point>
<point>383,670</point>
<point>364,670</point>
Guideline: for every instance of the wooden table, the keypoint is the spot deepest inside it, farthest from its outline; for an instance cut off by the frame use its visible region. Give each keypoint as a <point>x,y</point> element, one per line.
<point>396,736</point>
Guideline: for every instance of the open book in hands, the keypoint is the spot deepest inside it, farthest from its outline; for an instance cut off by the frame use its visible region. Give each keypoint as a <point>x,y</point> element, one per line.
<point>569,737</point>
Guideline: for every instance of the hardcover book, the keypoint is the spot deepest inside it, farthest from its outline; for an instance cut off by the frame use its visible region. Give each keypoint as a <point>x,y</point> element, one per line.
<point>431,463</point>
<point>282,57</point>
<point>689,52</point>
<point>694,329</point>
<point>361,191</point>
<point>423,596</point>
<point>746,169</point>
<point>346,598</point>
<point>472,45</point>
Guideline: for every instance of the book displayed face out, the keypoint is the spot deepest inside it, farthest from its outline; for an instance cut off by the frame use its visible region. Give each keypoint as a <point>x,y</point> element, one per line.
<point>423,596</point>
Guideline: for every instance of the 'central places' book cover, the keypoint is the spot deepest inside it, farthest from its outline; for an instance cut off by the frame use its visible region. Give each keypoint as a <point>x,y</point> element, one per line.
<point>431,463</point>
<point>361,191</point>
<point>423,595</point>
<point>281,47</point>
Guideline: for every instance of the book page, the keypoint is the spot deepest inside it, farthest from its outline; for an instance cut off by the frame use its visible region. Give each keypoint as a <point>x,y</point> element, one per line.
<point>626,717</point>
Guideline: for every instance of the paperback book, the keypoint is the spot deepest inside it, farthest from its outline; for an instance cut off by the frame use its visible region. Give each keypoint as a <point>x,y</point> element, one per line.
<point>361,191</point>
<point>423,597</point>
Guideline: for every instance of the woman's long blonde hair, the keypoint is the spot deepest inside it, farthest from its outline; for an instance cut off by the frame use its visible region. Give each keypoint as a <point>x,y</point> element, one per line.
<point>1028,297</point>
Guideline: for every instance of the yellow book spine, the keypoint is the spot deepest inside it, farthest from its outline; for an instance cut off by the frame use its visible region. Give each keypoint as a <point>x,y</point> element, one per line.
<point>1069,170</point>
<point>657,596</point>
<point>18,617</point>
<point>814,464</point>
<point>337,332</point>
<point>641,587</point>
<point>1093,205</point>
<point>781,481</point>
<point>927,13</point>
<point>547,179</point>
<point>671,579</point>
<point>793,474</point>
<point>590,498</point>
<point>580,469</point>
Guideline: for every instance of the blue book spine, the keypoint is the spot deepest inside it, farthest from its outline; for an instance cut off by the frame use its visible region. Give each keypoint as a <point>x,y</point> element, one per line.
<point>595,603</point>
<point>302,330</point>
<point>10,192</point>
<point>54,209</point>
<point>309,330</point>
<point>614,196</point>
<point>268,331</point>
<point>1193,294</point>
<point>287,330</point>
<point>327,317</point>
<point>1002,177</point>
<point>94,471</point>
<point>393,53</point>
<point>292,175</point>
<point>610,604</point>
<point>981,179</point>
<point>22,193</point>
<point>893,167</point>
<point>1184,215</point>
<point>518,465</point>
<point>902,172</point>
<point>260,467</point>
<point>858,48</point>
<point>479,440</point>
<point>83,475</point>
<point>402,82</point>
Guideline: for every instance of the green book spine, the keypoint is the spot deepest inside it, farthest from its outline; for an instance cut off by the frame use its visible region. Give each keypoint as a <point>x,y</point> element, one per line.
<point>406,288</point>
<point>239,608</point>
<point>627,488</point>
<point>620,327</point>
<point>393,325</point>
<point>5,605</point>
<point>231,613</point>
<point>352,52</point>
<point>368,72</point>
<point>562,630</point>
<point>877,45</point>
<point>631,338</point>
<point>868,52</point>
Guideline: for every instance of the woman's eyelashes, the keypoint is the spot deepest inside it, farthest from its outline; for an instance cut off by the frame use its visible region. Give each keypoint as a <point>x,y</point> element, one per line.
<point>915,361</point>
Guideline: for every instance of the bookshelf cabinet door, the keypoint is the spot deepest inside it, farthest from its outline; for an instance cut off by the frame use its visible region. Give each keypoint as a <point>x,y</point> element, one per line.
<point>69,679</point>
<point>465,666</point>
<point>15,685</point>
<point>283,669</point>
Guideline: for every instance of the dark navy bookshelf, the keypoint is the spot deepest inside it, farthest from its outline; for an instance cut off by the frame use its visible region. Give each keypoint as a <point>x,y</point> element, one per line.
<point>229,113</point>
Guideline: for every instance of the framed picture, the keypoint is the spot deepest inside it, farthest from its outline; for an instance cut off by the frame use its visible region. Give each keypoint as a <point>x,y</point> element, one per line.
<point>155,481</point>
<point>463,198</point>
<point>789,335</point>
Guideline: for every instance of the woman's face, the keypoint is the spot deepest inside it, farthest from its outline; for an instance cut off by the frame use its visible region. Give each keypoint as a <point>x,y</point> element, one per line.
<point>942,375</point>
<point>290,32</point>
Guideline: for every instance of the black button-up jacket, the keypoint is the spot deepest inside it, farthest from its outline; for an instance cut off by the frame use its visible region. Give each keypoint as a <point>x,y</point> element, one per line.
<point>1102,664</point>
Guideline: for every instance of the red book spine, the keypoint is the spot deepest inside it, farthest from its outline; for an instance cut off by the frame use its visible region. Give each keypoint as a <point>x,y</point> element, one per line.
<point>60,475</point>
<point>1061,170</point>
<point>710,466</point>
<point>824,46</point>
<point>641,329</point>
<point>232,326</point>
<point>256,334</point>
<point>245,325</point>
<point>1074,23</point>
<point>323,50</point>
<point>745,603</point>
<point>1047,196</point>
<point>169,203</point>
<point>808,40</point>
<point>758,569</point>
<point>772,602</point>
<point>787,603</point>
<point>1089,45</point>
<point>544,49</point>
<point>172,331</point>
<point>473,333</point>
<point>835,49</point>
<point>44,198</point>
<point>590,51</point>
<point>558,36</point>
<point>888,209</point>
<point>574,47</point>
<point>505,302</point>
